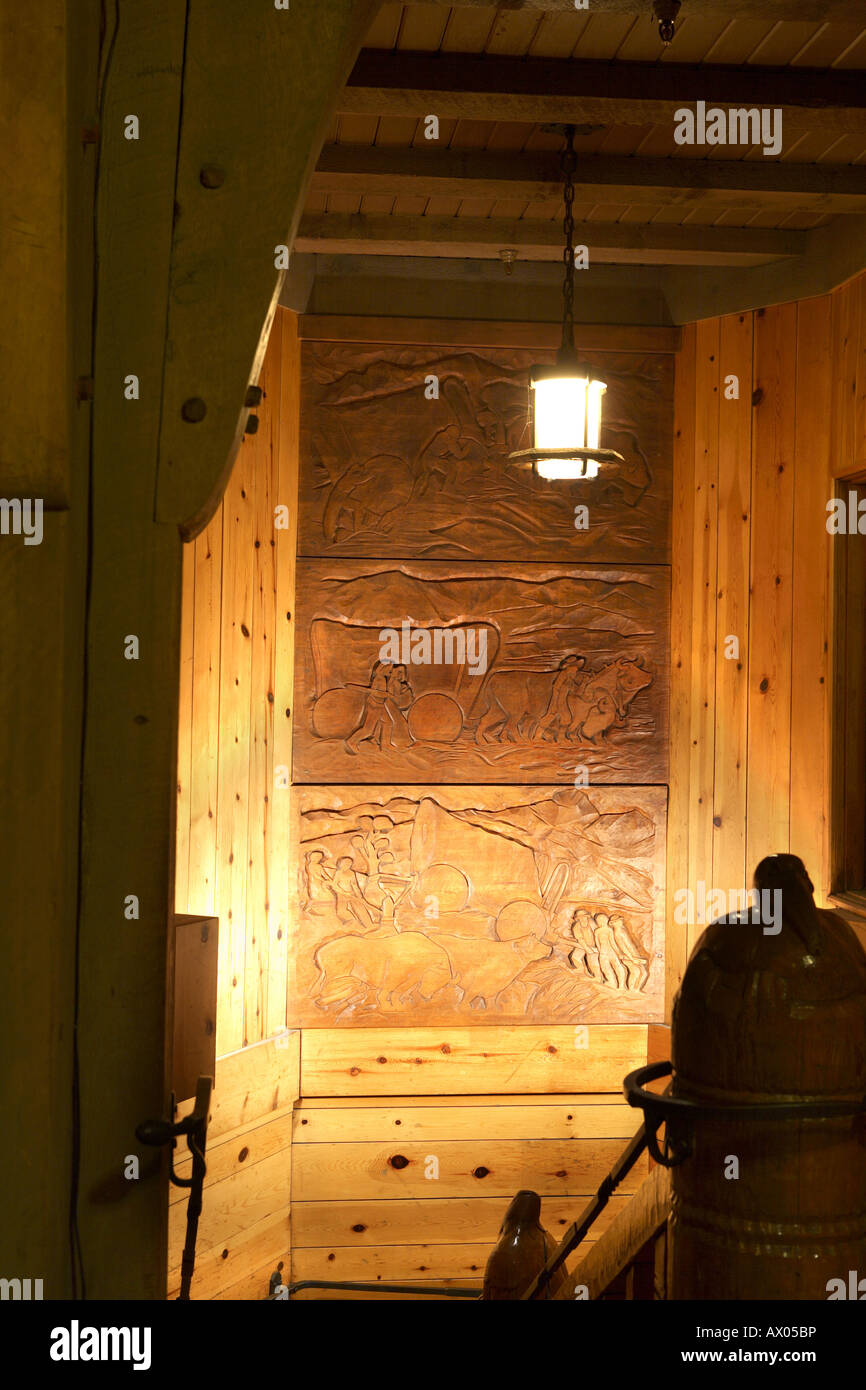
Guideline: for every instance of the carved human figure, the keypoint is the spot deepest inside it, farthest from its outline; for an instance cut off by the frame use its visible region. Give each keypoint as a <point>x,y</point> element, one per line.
<point>346,888</point>
<point>558,714</point>
<point>637,967</point>
<point>612,969</point>
<point>377,718</point>
<point>399,700</point>
<point>585,954</point>
<point>316,879</point>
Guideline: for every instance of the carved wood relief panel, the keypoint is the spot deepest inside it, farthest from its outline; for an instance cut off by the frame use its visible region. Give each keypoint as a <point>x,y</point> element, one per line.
<point>462,673</point>
<point>447,905</point>
<point>385,471</point>
<point>480,709</point>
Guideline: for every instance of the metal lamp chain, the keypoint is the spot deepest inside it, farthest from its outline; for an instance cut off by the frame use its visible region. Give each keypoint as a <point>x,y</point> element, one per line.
<point>568,164</point>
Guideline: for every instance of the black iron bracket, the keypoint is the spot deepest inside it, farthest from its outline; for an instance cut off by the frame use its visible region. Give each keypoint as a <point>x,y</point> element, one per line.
<point>678,1113</point>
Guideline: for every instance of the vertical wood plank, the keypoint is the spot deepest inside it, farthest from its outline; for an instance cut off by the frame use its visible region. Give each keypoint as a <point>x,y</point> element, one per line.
<point>769,772</point>
<point>846,349</point>
<point>682,553</point>
<point>855,699</point>
<point>204,771</point>
<point>702,706</point>
<point>234,748</point>
<point>732,611</point>
<point>860,409</point>
<point>261,450</point>
<point>184,731</point>
<point>810,764</point>
<point>286,494</point>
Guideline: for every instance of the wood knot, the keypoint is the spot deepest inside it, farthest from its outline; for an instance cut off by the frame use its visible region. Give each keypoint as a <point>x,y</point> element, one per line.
<point>480,1172</point>
<point>398,1161</point>
<point>757,395</point>
<point>359,1228</point>
<point>244,1153</point>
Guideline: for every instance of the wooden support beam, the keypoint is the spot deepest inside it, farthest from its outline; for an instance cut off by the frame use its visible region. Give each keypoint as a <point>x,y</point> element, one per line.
<point>594,337</point>
<point>810,11</point>
<point>504,88</point>
<point>228,101</point>
<point>833,254</point>
<point>719,183</point>
<point>613,242</point>
<point>186,284</point>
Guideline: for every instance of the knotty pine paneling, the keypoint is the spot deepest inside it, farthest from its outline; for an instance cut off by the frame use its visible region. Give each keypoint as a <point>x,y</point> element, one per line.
<point>416,1189</point>
<point>247,1190</point>
<point>237,671</point>
<point>752,558</point>
<point>469,1061</point>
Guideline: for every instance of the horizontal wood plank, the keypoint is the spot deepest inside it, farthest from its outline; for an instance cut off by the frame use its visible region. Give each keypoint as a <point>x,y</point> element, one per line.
<point>353,1296</point>
<point>236,1258</point>
<point>251,1083</point>
<point>451,1221</point>
<point>488,1167</point>
<point>244,1149</point>
<point>393,1262</point>
<point>580,1118</point>
<point>235,1205</point>
<point>455,1102</point>
<point>488,1060</point>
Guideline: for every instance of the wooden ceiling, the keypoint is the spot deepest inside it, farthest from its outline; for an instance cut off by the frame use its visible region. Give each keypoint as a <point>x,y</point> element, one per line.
<point>495,75</point>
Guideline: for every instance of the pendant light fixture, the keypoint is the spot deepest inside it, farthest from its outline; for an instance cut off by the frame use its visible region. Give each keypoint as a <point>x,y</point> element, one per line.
<point>565,399</point>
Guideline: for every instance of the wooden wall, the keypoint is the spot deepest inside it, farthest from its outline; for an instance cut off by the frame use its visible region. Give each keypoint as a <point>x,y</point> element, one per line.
<point>413,1187</point>
<point>234,751</point>
<point>499,1107</point>
<point>750,738</point>
<point>750,762</point>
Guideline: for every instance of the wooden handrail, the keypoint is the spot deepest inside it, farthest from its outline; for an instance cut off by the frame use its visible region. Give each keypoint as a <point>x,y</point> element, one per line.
<point>577,1231</point>
<point>626,1235</point>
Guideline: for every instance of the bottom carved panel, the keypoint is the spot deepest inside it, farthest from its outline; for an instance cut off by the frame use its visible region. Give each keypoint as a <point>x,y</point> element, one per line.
<point>444,905</point>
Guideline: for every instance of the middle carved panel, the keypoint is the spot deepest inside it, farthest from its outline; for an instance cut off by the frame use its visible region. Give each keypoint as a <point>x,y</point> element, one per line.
<point>452,673</point>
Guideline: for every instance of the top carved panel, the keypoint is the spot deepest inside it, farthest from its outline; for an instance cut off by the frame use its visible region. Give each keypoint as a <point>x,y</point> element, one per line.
<point>387,473</point>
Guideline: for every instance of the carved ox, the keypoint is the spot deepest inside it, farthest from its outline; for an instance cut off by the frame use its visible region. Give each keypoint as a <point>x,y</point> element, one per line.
<point>604,698</point>
<point>394,967</point>
<point>513,702</point>
<point>397,968</point>
<point>485,973</point>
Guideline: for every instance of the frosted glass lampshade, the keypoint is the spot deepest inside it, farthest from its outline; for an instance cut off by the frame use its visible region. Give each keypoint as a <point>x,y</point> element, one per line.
<point>567,416</point>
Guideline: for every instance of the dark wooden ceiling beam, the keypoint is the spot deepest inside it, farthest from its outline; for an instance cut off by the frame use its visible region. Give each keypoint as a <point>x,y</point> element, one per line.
<point>608,242</point>
<point>612,179</point>
<point>812,11</point>
<point>495,88</point>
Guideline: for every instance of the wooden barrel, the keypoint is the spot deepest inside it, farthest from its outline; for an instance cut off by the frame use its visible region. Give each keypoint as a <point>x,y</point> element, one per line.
<point>767,1208</point>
